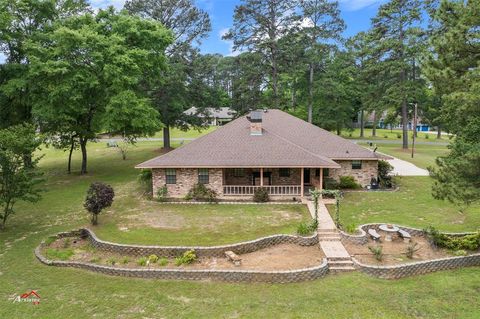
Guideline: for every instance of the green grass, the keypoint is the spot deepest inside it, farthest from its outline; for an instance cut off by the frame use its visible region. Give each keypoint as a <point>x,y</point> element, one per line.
<point>58,254</point>
<point>413,205</point>
<point>74,293</point>
<point>424,155</point>
<point>191,133</point>
<point>385,134</point>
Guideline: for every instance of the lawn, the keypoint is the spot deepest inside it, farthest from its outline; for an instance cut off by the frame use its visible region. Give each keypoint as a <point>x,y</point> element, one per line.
<point>388,135</point>
<point>73,293</point>
<point>189,134</point>
<point>424,155</point>
<point>413,205</point>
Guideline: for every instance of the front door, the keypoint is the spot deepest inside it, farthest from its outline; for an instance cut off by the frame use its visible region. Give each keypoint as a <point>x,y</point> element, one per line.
<point>306,176</point>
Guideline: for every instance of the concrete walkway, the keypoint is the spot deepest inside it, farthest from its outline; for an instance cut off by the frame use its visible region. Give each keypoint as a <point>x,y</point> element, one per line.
<point>404,168</point>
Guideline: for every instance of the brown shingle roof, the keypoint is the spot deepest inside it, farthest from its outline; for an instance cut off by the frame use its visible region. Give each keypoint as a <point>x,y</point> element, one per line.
<point>286,142</point>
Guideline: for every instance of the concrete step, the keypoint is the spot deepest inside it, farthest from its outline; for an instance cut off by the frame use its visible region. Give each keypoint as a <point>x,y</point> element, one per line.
<point>335,259</point>
<point>337,269</point>
<point>333,238</point>
<point>340,262</point>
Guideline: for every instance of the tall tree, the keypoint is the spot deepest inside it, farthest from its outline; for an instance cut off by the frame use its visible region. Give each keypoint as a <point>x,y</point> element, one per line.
<point>88,75</point>
<point>258,25</point>
<point>396,32</point>
<point>189,25</point>
<point>20,20</point>
<point>321,23</point>
<point>454,68</point>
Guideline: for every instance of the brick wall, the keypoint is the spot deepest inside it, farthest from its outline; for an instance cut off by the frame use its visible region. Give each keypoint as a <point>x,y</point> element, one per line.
<point>293,179</point>
<point>362,176</point>
<point>186,178</point>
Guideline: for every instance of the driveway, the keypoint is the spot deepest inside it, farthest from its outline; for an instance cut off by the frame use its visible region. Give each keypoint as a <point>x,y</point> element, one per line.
<point>404,168</point>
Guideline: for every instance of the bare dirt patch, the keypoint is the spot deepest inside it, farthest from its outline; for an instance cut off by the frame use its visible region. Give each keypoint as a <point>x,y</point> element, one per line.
<point>279,257</point>
<point>394,251</point>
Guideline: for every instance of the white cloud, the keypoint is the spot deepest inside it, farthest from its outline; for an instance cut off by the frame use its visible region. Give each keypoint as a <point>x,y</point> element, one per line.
<point>354,5</point>
<point>102,4</point>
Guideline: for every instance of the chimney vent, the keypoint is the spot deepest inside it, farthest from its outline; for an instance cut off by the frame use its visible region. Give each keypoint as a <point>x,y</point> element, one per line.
<point>255,119</point>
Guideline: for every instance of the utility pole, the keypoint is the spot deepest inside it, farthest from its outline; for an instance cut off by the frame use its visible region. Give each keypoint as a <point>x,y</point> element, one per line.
<point>414,127</point>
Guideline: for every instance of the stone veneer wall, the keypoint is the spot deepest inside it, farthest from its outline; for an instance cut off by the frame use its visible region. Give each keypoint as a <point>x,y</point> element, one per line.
<point>362,176</point>
<point>201,251</point>
<point>233,275</point>
<point>186,178</point>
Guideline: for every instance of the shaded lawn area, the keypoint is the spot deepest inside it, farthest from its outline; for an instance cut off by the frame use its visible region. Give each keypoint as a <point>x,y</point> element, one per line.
<point>190,133</point>
<point>413,205</point>
<point>386,134</point>
<point>424,155</point>
<point>73,293</point>
<point>153,223</point>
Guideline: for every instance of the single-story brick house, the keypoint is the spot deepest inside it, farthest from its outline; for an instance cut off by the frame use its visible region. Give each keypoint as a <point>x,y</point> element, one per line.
<point>268,148</point>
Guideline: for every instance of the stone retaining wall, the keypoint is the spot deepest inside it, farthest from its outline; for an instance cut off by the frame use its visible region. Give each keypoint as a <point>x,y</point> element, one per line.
<point>287,276</point>
<point>417,268</point>
<point>201,251</point>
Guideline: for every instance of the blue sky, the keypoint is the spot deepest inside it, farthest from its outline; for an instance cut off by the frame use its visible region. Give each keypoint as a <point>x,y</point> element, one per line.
<point>356,13</point>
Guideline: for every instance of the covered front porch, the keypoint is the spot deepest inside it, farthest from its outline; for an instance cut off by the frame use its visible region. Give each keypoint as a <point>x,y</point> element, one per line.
<point>278,181</point>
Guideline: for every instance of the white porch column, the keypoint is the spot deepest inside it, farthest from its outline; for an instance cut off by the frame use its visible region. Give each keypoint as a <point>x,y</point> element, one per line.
<point>261,176</point>
<point>301,182</point>
<point>321,179</point>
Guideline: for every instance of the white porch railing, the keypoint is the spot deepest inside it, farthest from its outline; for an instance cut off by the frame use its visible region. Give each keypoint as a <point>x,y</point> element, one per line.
<point>271,189</point>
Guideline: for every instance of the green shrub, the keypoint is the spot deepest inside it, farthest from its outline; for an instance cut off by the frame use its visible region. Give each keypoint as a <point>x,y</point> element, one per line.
<point>145,180</point>
<point>163,261</point>
<point>55,254</point>
<point>460,252</point>
<point>385,136</point>
<point>348,182</point>
<point>399,135</point>
<point>384,170</point>
<point>188,257</point>
<point>467,242</point>
<point>261,195</point>
<point>351,228</point>
<point>125,260</point>
<point>330,183</point>
<point>377,251</point>
<point>427,136</point>
<point>200,192</point>
<point>305,229</point>
<point>142,261</point>
<point>412,248</point>
<point>111,261</point>
<point>162,194</point>
<point>152,259</point>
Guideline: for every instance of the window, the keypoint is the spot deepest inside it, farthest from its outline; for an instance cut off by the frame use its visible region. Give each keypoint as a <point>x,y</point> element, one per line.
<point>238,172</point>
<point>356,164</point>
<point>203,175</point>
<point>284,172</point>
<point>326,172</point>
<point>170,176</point>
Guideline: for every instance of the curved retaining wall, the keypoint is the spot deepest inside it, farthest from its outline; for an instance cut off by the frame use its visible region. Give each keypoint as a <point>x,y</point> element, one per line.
<point>417,268</point>
<point>201,251</point>
<point>233,275</point>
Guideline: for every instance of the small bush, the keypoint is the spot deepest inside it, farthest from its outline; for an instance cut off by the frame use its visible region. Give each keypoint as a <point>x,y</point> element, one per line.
<point>351,228</point>
<point>330,183</point>
<point>145,180</point>
<point>200,192</point>
<point>188,257</point>
<point>427,136</point>
<point>385,136</point>
<point>162,194</point>
<point>152,259</point>
<point>111,261</point>
<point>348,182</point>
<point>55,254</point>
<point>125,260</point>
<point>467,242</point>
<point>377,251</point>
<point>412,248</point>
<point>261,195</point>
<point>99,196</point>
<point>142,261</point>
<point>163,261</point>
<point>305,229</point>
<point>399,135</point>
<point>460,252</point>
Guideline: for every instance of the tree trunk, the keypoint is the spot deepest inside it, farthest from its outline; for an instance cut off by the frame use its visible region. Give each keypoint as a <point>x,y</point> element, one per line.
<point>166,137</point>
<point>94,219</point>
<point>374,126</point>
<point>403,78</point>
<point>362,124</point>
<point>439,132</point>
<point>405,123</point>
<point>310,95</point>
<point>72,146</point>
<point>83,146</point>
